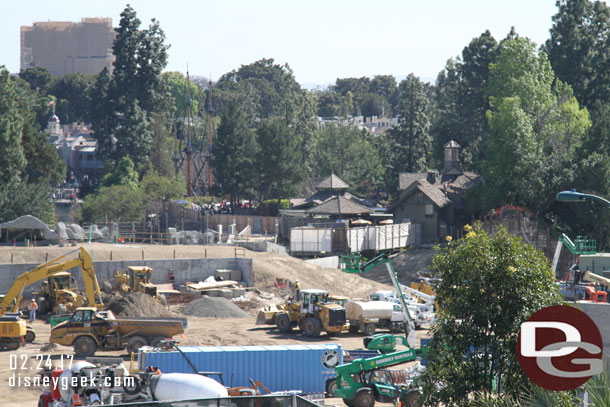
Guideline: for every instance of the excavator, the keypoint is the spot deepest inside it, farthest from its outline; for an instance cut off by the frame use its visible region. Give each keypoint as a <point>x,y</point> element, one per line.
<point>364,381</point>
<point>10,323</point>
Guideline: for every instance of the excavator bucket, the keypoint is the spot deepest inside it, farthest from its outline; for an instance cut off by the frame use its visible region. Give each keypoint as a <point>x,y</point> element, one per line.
<point>266,316</point>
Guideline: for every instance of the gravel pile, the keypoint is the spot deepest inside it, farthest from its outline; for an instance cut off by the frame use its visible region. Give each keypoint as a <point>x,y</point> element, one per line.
<point>214,307</point>
<point>135,305</point>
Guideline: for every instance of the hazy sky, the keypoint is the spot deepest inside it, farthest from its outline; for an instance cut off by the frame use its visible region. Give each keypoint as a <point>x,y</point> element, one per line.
<point>320,40</point>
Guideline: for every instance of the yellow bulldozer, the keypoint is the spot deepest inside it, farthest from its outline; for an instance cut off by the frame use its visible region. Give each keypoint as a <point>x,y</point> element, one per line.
<point>137,279</point>
<point>313,314</point>
<point>60,288</point>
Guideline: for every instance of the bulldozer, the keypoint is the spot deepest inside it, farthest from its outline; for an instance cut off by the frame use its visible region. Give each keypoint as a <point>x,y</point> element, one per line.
<point>313,314</point>
<point>137,279</point>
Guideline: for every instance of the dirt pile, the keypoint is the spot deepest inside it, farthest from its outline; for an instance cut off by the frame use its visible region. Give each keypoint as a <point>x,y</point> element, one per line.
<point>135,305</point>
<point>269,269</point>
<point>214,307</point>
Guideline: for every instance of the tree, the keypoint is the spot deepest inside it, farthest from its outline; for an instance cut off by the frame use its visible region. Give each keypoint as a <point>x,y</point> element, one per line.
<point>39,78</point>
<point>116,203</point>
<point>411,140</point>
<point>126,103</point>
<point>123,174</point>
<point>157,187</point>
<point>351,154</point>
<point>72,92</point>
<point>489,285</point>
<point>279,159</point>
<point>43,162</point>
<point>23,198</point>
<point>578,48</point>
<point>13,160</point>
<point>234,152</point>
<point>534,121</point>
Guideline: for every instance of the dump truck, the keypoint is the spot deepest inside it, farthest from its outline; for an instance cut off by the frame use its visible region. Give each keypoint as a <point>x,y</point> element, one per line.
<point>9,303</point>
<point>313,314</point>
<point>368,316</point>
<point>89,330</point>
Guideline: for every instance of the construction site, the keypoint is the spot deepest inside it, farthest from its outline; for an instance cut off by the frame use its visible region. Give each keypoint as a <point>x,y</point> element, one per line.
<point>192,309</point>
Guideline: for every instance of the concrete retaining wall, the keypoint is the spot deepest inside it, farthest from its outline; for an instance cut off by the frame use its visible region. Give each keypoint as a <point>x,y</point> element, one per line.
<point>599,313</point>
<point>184,270</point>
<point>330,262</point>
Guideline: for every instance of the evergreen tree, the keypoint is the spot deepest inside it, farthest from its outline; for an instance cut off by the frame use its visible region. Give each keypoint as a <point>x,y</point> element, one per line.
<point>12,164</point>
<point>234,151</point>
<point>578,48</point>
<point>411,141</point>
<point>279,158</point>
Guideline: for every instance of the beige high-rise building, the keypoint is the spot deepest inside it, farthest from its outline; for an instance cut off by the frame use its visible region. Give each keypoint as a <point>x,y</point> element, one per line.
<point>68,47</point>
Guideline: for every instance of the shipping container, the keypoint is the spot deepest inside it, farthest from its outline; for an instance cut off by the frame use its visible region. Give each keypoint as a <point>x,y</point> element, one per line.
<point>378,238</point>
<point>281,367</point>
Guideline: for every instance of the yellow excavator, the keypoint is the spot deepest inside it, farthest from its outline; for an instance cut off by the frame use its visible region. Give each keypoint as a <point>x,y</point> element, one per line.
<point>13,328</point>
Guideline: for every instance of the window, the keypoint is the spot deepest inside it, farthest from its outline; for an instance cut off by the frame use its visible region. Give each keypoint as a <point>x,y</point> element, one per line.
<point>429,210</point>
<point>419,197</point>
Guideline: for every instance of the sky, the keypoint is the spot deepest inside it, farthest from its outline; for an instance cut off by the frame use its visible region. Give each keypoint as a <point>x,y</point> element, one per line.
<point>321,40</point>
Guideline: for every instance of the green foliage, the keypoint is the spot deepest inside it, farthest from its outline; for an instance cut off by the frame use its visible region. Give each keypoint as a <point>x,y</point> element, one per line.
<point>125,103</point>
<point>535,126</point>
<point>270,86</point>
<point>533,396</point>
<point>234,152</point>
<point>279,160</point>
<point>270,207</point>
<point>157,187</point>
<point>39,78</point>
<point>410,141</point>
<point>124,174</point>
<point>578,48</point>
<point>490,285</point>
<point>23,198</point>
<point>13,160</point>
<point>73,96</point>
<point>116,203</point>
<point>43,162</point>
<point>352,155</point>
<point>179,90</point>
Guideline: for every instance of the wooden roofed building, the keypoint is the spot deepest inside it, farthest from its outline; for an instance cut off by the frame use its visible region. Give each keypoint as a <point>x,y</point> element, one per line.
<point>433,199</point>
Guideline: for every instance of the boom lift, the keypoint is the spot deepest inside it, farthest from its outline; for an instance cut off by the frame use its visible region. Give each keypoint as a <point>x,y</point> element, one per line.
<point>363,381</point>
<point>10,302</point>
<point>351,264</point>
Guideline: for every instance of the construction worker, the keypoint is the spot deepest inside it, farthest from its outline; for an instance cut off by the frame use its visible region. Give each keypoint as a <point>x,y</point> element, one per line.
<point>297,290</point>
<point>33,308</point>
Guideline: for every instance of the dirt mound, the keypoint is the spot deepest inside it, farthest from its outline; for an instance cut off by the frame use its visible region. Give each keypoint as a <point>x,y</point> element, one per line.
<point>214,307</point>
<point>135,305</point>
<point>269,269</point>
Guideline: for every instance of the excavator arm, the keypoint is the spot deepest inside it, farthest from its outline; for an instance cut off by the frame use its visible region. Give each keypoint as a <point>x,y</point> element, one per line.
<point>352,265</point>
<point>49,269</point>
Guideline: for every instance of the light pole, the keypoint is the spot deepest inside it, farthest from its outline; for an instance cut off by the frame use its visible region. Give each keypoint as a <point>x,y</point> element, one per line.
<point>573,196</point>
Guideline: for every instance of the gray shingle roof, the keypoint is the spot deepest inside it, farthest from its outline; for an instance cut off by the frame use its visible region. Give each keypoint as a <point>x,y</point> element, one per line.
<point>405,179</point>
<point>332,182</point>
<point>339,205</point>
